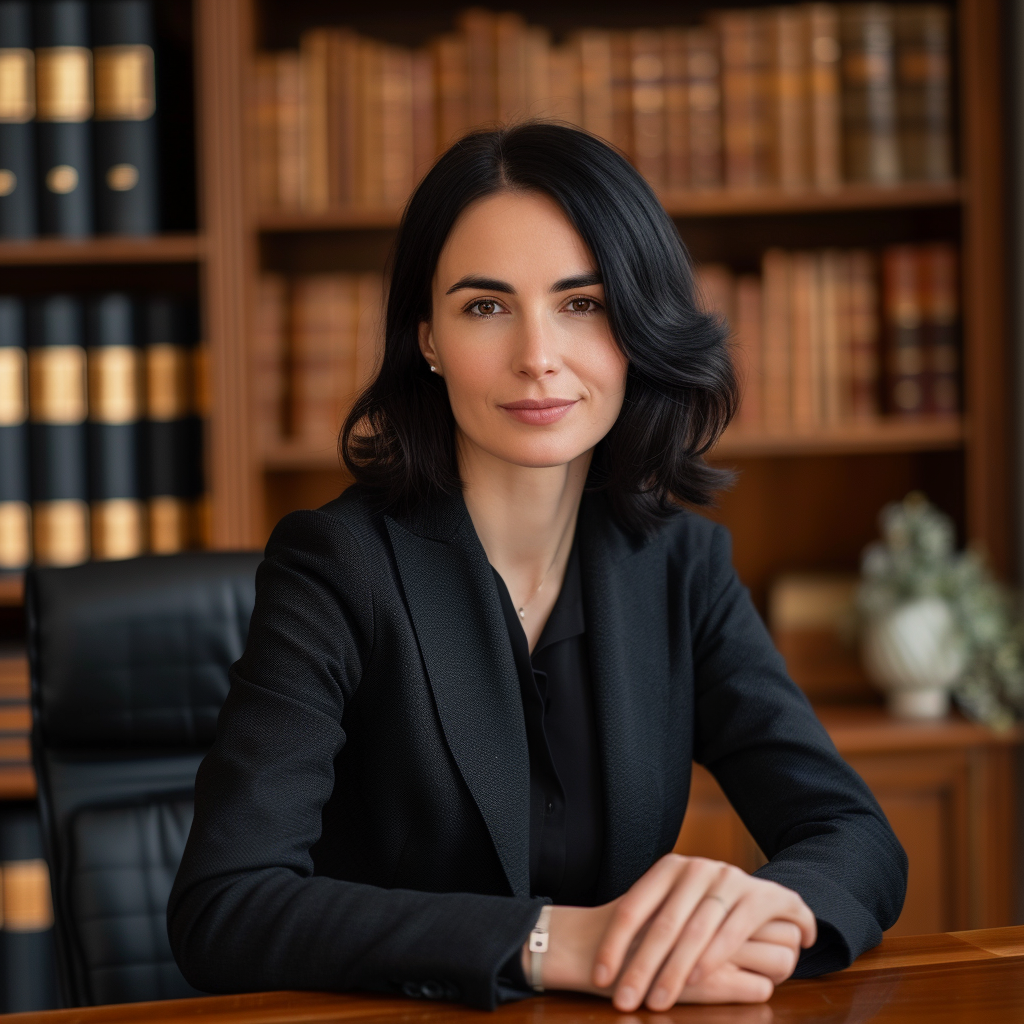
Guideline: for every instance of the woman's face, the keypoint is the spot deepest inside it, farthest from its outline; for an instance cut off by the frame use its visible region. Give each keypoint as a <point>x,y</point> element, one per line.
<point>520,335</point>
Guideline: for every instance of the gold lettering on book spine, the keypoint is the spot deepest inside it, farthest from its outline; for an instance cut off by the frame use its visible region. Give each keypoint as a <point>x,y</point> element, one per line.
<point>61,531</point>
<point>63,83</point>
<point>170,525</point>
<point>168,382</point>
<point>13,386</point>
<point>125,83</point>
<point>117,528</point>
<point>15,535</point>
<point>26,896</point>
<point>114,384</point>
<point>56,375</point>
<point>17,86</point>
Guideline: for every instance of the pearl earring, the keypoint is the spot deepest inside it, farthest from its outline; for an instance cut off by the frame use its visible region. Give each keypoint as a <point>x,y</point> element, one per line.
<point>433,369</point>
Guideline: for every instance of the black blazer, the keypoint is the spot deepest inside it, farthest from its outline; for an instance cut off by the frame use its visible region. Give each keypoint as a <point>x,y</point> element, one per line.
<point>362,819</point>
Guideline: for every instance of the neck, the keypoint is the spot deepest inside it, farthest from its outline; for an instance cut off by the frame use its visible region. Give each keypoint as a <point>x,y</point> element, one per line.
<point>525,517</point>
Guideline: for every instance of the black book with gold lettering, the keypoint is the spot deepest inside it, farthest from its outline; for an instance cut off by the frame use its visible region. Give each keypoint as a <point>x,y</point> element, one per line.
<point>15,511</point>
<point>17,131</point>
<point>124,130</point>
<point>63,113</point>
<point>116,509</point>
<point>57,408</point>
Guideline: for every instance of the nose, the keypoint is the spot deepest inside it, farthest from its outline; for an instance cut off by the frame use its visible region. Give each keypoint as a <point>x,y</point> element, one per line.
<point>536,353</point>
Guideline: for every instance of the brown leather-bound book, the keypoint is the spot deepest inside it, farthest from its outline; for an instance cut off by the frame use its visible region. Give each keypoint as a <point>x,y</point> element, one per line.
<point>864,319</point>
<point>342,115</point>
<point>269,352</point>
<point>264,116</point>
<point>870,140</point>
<point>745,92</point>
<point>747,341</point>
<point>622,93</point>
<point>566,79</point>
<point>538,70</point>
<point>479,30</point>
<point>940,307</point>
<point>835,373</point>
<point>511,67</point>
<point>776,299</point>
<point>716,286</point>
<point>788,97</point>
<point>805,339</point>
<point>290,152</point>
<point>322,355</point>
<point>369,337</point>
<point>704,107</point>
<point>595,50</point>
<point>923,81</point>
<point>648,65</point>
<point>313,55</point>
<point>677,127</point>
<point>903,331</point>
<point>370,125</point>
<point>821,28</point>
<point>424,114</point>
<point>452,100</point>
<point>396,125</point>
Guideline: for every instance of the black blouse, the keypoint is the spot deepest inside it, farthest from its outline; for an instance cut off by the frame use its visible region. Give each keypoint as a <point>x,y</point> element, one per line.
<point>566,797</point>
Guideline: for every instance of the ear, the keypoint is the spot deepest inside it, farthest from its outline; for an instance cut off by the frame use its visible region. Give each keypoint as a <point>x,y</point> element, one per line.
<point>426,340</point>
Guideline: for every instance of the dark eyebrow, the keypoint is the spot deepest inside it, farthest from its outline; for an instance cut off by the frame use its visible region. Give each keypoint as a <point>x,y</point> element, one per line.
<point>567,284</point>
<point>485,284</point>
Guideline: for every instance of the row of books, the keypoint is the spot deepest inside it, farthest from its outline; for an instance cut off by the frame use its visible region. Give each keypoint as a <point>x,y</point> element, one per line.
<point>317,340</point>
<point>78,144</point>
<point>100,433</point>
<point>801,96</point>
<point>834,336</point>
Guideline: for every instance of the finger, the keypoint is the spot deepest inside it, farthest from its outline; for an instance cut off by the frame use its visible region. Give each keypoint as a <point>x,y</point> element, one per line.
<point>774,961</point>
<point>691,942</point>
<point>729,984</point>
<point>784,933</point>
<point>679,881</point>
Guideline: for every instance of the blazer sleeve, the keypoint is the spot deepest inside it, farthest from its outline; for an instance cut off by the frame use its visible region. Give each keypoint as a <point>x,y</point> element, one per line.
<point>246,912</point>
<point>812,815</point>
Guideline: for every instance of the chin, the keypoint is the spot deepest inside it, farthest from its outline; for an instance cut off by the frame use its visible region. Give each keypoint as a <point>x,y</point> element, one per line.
<point>540,456</point>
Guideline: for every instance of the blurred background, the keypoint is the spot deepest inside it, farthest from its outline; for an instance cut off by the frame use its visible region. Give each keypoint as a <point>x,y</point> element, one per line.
<point>197,198</point>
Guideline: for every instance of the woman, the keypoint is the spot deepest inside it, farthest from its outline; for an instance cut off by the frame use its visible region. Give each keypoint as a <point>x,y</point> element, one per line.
<point>474,684</point>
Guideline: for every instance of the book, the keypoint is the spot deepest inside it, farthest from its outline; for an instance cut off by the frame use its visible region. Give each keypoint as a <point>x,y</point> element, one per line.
<point>805,340</point>
<point>64,107</point>
<point>677,122</point>
<point>342,114</point>
<point>511,66</point>
<point>15,496</point>
<point>398,158</point>
<point>776,358</point>
<point>923,96</point>
<point>825,110</point>
<point>17,129</point>
<point>565,101</point>
<point>744,76</point>
<point>595,58</point>
<point>291,174</point>
<point>864,335</point>
<point>748,346</point>
<point>478,29</point>
<point>58,408</point>
<point>424,110</point>
<point>704,108</point>
<point>453,114</point>
<point>173,432</point>
<point>369,328</point>
<point>314,120</point>
<point>649,132</point>
<point>834,392</point>
<point>117,512</point>
<point>265,129</point>
<point>937,264</point>
<point>28,975</point>
<point>869,93</point>
<point>788,97</point>
<point>904,363</point>
<point>622,93</point>
<point>268,360</point>
<point>124,118</point>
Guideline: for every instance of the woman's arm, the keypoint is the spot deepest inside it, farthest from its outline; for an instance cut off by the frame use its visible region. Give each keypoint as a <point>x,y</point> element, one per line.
<point>246,911</point>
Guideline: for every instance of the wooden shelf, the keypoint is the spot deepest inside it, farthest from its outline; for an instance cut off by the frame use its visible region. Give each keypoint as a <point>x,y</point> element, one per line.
<point>12,588</point>
<point>177,248</point>
<point>710,203</point>
<point>17,782</point>
<point>299,455</point>
<point>918,435</point>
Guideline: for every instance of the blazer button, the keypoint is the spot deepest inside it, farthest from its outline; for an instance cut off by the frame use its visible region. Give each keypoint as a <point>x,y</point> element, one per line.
<point>432,990</point>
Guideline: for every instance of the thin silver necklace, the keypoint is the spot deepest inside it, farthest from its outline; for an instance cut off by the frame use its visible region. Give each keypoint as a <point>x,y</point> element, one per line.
<point>543,579</point>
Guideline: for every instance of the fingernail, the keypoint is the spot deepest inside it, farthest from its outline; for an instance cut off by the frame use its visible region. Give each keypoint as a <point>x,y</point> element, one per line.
<point>627,997</point>
<point>601,975</point>
<point>659,999</point>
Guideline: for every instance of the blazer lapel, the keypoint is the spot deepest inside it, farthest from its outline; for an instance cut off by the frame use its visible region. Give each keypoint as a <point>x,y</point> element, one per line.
<point>624,588</point>
<point>449,588</point>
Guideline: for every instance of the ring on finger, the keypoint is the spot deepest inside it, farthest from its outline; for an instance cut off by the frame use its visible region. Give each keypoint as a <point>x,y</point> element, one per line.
<point>716,896</point>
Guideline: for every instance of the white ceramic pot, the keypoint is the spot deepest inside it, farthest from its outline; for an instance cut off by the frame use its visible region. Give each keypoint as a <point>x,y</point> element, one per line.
<point>914,654</point>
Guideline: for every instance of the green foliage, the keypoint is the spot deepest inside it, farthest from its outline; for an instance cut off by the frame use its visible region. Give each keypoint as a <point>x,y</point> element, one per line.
<point>917,558</point>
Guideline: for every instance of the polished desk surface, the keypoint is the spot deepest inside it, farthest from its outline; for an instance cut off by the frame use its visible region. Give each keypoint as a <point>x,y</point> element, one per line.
<point>952,978</point>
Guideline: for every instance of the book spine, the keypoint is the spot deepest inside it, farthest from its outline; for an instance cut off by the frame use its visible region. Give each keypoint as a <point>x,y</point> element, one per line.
<point>57,410</point>
<point>343,95</point>
<point>313,56</point>
<point>290,167</point>
<point>804,339</point>
<point>704,107</point>
<point>173,431</point>
<point>424,110</point>
<point>789,98</point>
<point>622,93</point>
<point>863,317</point>
<point>511,66</point>
<point>677,128</point>
<point>822,42</point>
<point>397,156</point>
<point>116,508</point>
<point>748,344</point>
<point>923,77</point>
<point>776,278</point>
<point>595,55</point>
<point>64,106</point>
<point>648,66</point>
<point>370,180</point>
<point>17,131</point>
<point>369,328</point>
<point>744,98</point>
<point>833,335</point>
<point>566,84</point>
<point>124,129</point>
<point>264,116</point>
<point>15,497</point>
<point>538,71</point>
<point>478,29</point>
<point>269,353</point>
<point>869,94</point>
<point>904,342</point>
<point>452,88</point>
<point>940,310</point>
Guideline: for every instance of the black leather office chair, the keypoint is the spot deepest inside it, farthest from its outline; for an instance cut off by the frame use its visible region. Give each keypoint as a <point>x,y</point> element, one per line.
<point>129,668</point>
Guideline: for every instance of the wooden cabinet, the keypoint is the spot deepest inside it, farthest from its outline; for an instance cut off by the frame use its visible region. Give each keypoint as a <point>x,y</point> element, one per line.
<point>946,788</point>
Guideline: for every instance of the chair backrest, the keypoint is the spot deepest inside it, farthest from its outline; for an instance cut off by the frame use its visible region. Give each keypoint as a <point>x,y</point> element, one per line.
<point>129,663</point>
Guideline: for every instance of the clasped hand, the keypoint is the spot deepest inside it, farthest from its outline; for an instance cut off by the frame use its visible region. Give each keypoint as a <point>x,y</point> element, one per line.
<point>690,930</point>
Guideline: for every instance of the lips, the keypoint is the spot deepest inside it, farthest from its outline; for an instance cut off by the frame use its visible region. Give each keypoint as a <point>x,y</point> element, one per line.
<point>539,411</point>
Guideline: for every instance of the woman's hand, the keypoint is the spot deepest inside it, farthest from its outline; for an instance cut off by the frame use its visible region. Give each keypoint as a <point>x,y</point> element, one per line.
<point>672,934</point>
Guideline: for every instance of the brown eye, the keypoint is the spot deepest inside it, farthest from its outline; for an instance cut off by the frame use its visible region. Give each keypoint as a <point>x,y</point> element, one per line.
<point>581,305</point>
<point>486,308</point>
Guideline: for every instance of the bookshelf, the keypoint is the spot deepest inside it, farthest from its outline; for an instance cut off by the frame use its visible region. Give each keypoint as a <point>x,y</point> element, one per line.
<point>181,247</point>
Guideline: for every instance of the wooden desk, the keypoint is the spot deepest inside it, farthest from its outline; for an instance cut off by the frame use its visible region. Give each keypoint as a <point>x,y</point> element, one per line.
<point>951,978</point>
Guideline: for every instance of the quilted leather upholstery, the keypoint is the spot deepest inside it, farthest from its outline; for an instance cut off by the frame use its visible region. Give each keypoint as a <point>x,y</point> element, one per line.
<point>129,669</point>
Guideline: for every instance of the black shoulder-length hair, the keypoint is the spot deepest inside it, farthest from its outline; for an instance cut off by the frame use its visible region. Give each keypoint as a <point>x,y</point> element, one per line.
<point>399,439</point>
